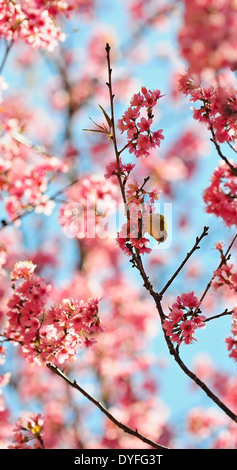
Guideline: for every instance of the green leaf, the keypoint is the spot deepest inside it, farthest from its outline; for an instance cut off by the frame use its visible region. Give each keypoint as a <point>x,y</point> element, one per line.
<point>108,119</point>
<point>94,130</point>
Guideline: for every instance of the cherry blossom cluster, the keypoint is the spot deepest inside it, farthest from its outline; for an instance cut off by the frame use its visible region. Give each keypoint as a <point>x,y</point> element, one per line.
<point>148,12</point>
<point>89,201</point>
<point>47,334</point>
<point>28,431</point>
<point>202,422</point>
<point>182,157</point>
<point>83,6</point>
<point>218,108</point>
<point>25,176</point>
<point>208,37</point>
<point>32,22</point>
<point>35,21</point>
<point>140,206</point>
<point>225,276</point>
<point>131,329</point>
<point>220,196</point>
<point>3,256</point>
<point>5,428</point>
<point>112,169</point>
<point>225,386</point>
<point>184,319</point>
<point>231,341</point>
<point>4,380</point>
<point>141,139</point>
<point>127,240</point>
<point>136,194</point>
<point>2,354</point>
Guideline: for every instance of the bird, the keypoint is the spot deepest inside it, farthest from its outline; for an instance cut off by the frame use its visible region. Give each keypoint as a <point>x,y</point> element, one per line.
<point>156,225</point>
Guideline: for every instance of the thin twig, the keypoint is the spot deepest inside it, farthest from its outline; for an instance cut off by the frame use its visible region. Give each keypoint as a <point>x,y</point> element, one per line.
<point>226,312</point>
<point>41,441</point>
<point>126,145</point>
<point>99,405</point>
<point>111,96</point>
<point>231,146</point>
<point>233,169</point>
<point>223,260</point>
<point>8,48</point>
<point>195,247</point>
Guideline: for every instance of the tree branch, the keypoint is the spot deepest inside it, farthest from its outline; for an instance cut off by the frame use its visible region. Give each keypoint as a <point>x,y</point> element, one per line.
<point>117,153</point>
<point>226,312</point>
<point>137,262</point>
<point>99,405</point>
<point>174,352</point>
<point>233,169</point>
<point>223,261</point>
<point>232,147</point>
<point>8,48</point>
<point>195,247</point>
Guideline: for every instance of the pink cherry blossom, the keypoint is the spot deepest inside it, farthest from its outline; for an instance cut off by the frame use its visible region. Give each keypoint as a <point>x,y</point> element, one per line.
<point>231,341</point>
<point>28,430</point>
<point>184,319</point>
<point>220,198</point>
<point>49,304</point>
<point>47,334</point>
<point>141,244</point>
<point>22,269</point>
<point>217,103</point>
<point>89,201</point>
<point>31,22</point>
<point>139,134</point>
<point>208,36</point>
<point>112,168</point>
<point>187,328</point>
<point>25,178</point>
<point>202,422</point>
<point>188,300</point>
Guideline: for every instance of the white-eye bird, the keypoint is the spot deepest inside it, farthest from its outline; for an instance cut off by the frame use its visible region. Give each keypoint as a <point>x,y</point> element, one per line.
<point>156,226</point>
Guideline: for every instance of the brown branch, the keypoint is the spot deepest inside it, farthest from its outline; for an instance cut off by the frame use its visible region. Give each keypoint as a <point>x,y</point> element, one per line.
<point>111,96</point>
<point>174,352</point>
<point>232,147</point>
<point>126,145</point>
<point>40,441</point>
<point>4,59</point>
<point>137,262</point>
<point>195,247</point>
<point>233,169</point>
<point>226,312</point>
<point>224,258</point>
<point>99,405</point>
